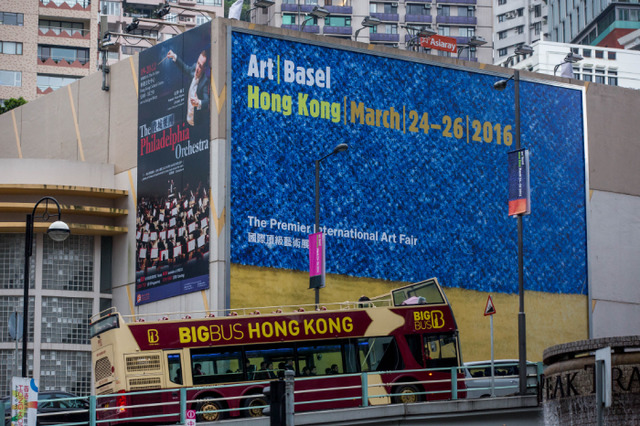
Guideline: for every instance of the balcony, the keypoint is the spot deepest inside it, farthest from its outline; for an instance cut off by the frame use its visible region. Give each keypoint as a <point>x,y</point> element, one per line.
<point>457,1</point>
<point>386,17</point>
<point>303,8</point>
<point>337,30</point>
<point>418,18</point>
<point>457,20</point>
<point>64,32</point>
<point>67,4</point>
<point>393,38</point>
<point>59,61</point>
<point>313,29</point>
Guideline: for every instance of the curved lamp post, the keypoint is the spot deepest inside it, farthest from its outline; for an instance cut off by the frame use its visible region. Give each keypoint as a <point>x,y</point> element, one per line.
<point>367,22</point>
<point>473,42</point>
<point>316,13</point>
<point>337,149</point>
<point>58,231</point>
<point>522,332</point>
<point>571,58</point>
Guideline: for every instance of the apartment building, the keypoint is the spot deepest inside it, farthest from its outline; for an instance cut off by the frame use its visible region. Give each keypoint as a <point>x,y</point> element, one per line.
<point>517,22</point>
<point>132,26</point>
<point>398,22</point>
<point>44,45</point>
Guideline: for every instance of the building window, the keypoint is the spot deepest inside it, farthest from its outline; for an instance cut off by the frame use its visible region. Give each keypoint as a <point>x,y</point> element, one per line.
<point>12,263</point>
<point>502,35</point>
<point>201,19</point>
<point>599,54</point>
<point>520,29</point>
<point>502,2</point>
<point>613,78</point>
<point>418,9</point>
<point>444,11</point>
<point>54,82</point>
<point>502,52</point>
<point>586,53</point>
<point>69,370</point>
<point>11,47</point>
<point>289,19</point>
<point>501,17</point>
<point>467,31</point>
<point>587,76</point>
<point>132,50</point>
<point>58,27</point>
<point>210,2</point>
<point>521,11</point>
<point>10,78</point>
<point>110,8</point>
<point>8,18</point>
<point>73,329</point>
<point>611,55</point>
<point>59,53</point>
<point>444,31</point>
<point>468,11</point>
<point>537,10</point>
<point>600,76</point>
<point>537,28</point>
<point>383,8</point>
<point>338,21</point>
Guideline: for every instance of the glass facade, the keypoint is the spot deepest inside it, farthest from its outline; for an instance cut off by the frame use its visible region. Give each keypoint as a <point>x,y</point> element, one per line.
<point>62,298</point>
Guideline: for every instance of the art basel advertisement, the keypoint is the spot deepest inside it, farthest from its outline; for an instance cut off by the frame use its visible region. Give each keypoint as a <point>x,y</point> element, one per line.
<point>172,222</point>
<point>422,190</point>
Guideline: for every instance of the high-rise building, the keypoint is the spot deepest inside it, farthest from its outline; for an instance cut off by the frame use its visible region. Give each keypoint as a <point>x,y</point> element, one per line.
<point>517,22</point>
<point>596,23</point>
<point>45,45</point>
<point>398,22</point>
<point>131,26</point>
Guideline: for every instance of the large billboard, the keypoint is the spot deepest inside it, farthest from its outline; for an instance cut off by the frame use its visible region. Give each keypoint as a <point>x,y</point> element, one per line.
<point>172,221</point>
<point>422,190</point>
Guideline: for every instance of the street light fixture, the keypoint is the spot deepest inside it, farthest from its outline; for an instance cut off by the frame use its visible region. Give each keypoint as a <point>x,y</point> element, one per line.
<point>318,13</point>
<point>473,42</point>
<point>260,4</point>
<point>367,22</point>
<point>58,231</point>
<point>571,58</point>
<point>418,33</point>
<point>522,332</point>
<point>337,149</point>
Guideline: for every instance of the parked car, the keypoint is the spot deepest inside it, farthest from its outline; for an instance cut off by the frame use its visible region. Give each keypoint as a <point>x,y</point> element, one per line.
<point>506,377</point>
<point>55,407</point>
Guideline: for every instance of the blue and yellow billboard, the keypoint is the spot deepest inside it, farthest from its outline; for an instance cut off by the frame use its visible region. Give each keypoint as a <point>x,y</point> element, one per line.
<point>422,190</point>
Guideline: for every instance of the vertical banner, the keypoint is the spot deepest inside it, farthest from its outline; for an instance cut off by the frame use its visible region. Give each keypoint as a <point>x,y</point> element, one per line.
<point>519,188</point>
<point>172,222</point>
<point>316,260</point>
<point>24,401</point>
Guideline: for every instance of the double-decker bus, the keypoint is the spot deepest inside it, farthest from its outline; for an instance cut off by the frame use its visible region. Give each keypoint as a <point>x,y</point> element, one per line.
<point>393,338</point>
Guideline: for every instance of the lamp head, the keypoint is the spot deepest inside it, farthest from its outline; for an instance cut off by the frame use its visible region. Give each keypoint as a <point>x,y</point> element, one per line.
<point>524,50</point>
<point>477,41</point>
<point>340,148</point>
<point>500,85</point>
<point>164,10</point>
<point>58,231</point>
<point>573,58</point>
<point>132,26</point>
<point>319,12</point>
<point>370,21</point>
<point>263,4</point>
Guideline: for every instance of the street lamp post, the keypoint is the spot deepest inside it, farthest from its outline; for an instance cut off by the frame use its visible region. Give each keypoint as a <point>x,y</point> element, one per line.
<point>337,149</point>
<point>367,22</point>
<point>58,231</point>
<point>522,332</point>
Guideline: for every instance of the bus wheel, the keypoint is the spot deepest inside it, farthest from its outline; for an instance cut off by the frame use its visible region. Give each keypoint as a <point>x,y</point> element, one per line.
<point>210,411</point>
<point>255,407</point>
<point>407,394</point>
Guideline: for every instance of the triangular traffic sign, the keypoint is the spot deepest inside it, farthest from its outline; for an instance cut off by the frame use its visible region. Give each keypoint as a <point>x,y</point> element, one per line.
<point>489,309</point>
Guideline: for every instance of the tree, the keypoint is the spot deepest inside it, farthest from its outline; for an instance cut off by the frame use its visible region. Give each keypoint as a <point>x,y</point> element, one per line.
<point>12,103</point>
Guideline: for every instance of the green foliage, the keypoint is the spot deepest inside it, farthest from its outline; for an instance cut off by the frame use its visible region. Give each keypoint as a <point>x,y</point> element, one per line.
<point>12,103</point>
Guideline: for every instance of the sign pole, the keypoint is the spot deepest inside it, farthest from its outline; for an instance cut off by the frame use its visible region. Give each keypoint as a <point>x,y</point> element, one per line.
<point>493,374</point>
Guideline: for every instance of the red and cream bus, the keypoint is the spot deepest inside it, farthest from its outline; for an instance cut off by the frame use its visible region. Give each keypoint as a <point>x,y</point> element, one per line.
<point>388,337</point>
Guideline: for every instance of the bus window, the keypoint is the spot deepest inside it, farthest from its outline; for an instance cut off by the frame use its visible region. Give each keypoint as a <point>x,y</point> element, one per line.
<point>414,341</point>
<point>441,351</point>
<point>379,354</point>
<point>325,359</point>
<point>175,369</point>
<point>217,367</point>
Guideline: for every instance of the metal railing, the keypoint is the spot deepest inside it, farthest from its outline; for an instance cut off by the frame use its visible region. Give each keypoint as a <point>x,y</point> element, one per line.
<point>452,385</point>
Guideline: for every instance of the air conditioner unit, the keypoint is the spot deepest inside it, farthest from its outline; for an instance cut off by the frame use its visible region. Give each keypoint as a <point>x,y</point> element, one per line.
<point>395,44</point>
<point>394,4</point>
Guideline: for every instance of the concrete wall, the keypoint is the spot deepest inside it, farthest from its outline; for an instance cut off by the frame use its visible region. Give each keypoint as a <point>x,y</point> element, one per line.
<point>82,123</point>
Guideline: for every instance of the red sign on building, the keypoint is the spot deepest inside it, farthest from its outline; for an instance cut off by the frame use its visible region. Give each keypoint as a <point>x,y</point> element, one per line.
<point>438,42</point>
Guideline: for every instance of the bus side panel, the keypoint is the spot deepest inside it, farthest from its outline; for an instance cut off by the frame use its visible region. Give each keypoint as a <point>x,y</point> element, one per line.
<point>327,389</point>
